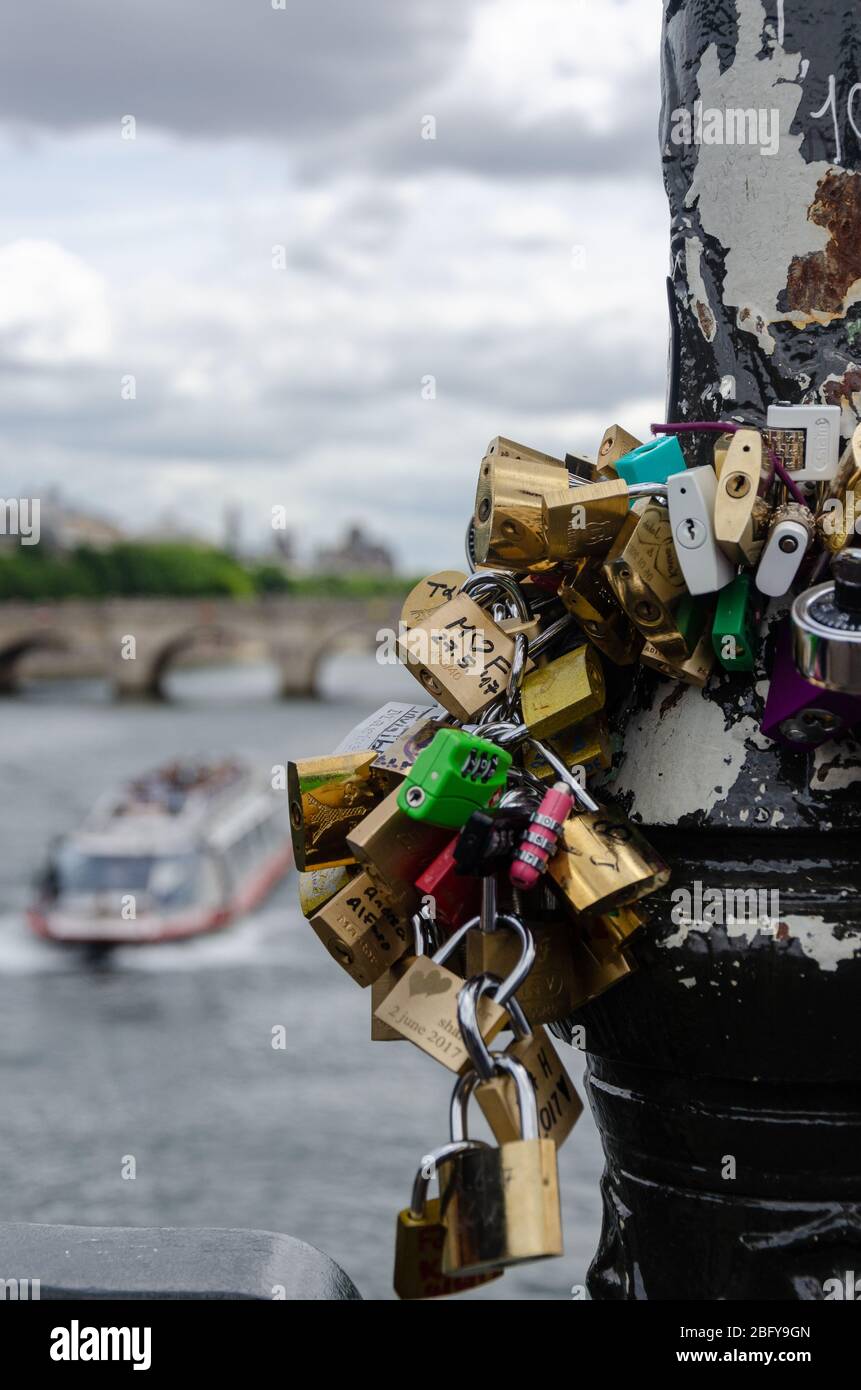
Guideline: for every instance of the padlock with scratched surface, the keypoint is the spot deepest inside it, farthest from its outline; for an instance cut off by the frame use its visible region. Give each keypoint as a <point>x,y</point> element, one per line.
<point>329,797</point>
<point>643,571</point>
<point>586,593</point>
<point>566,691</point>
<point>420,1236</point>
<point>603,862</point>
<point>423,1003</point>
<point>500,1205</point>
<point>460,656</point>
<point>363,929</point>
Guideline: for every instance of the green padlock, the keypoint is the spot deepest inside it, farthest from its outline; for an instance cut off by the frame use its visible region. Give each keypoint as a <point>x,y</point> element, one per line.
<point>734,635</point>
<point>691,615</point>
<point>455,775</point>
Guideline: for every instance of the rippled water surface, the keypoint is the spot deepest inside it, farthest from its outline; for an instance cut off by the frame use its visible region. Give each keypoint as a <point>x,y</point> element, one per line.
<point>164,1052</point>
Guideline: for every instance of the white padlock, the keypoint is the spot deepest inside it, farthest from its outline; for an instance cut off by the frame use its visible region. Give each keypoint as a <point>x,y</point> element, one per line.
<point>691,500</point>
<point>821,427</point>
<point>789,537</point>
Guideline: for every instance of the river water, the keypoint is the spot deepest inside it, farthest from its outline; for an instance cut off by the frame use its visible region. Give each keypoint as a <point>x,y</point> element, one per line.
<point>164,1053</point>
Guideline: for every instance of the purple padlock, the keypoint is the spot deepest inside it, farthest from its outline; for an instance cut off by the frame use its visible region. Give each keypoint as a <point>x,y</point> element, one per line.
<point>798,713</point>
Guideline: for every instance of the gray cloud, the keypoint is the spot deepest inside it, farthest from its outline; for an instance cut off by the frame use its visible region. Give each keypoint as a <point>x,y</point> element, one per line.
<point>216,68</point>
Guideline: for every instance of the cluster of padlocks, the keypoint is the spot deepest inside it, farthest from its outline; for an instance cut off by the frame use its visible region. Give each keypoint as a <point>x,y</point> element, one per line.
<point>462,834</point>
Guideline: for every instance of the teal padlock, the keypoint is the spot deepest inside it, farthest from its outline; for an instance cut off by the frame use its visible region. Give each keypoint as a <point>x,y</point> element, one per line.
<point>456,774</point>
<point>653,462</point>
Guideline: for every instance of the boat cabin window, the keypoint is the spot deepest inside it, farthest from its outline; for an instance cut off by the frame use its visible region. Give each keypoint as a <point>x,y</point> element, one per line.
<point>166,881</point>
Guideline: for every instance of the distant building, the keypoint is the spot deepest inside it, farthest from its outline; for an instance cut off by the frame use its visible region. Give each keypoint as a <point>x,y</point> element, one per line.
<point>64,527</point>
<point>357,554</point>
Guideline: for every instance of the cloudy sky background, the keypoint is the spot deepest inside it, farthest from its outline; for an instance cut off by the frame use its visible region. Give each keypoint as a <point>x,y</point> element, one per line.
<point>519,258</point>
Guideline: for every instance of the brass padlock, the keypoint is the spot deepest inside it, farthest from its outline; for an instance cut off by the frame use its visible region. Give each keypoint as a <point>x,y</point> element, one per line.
<point>460,656</point>
<point>586,593</point>
<point>395,848</point>
<point>317,886</point>
<point>424,933</point>
<point>329,797</point>
<point>599,964</point>
<point>500,1205</point>
<point>614,445</point>
<point>741,507</point>
<point>549,991</point>
<point>363,930</point>
<point>559,1106</point>
<point>420,1237</point>
<point>423,1006</point>
<point>612,930</point>
<point>643,571</point>
<point>514,496</point>
<point>603,862</point>
<point>838,516</point>
<point>695,670</point>
<point>564,692</point>
<point>509,448</point>
<point>581,745</point>
<point>429,595</point>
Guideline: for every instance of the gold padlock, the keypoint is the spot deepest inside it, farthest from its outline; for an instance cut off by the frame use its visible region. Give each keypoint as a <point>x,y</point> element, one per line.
<point>603,862</point>
<point>643,571</point>
<point>362,929</point>
<point>559,1105</point>
<point>839,512</point>
<point>394,848</point>
<point>741,507</point>
<point>501,1205</point>
<point>429,595</point>
<point>420,1237</point>
<point>564,692</point>
<point>615,444</point>
<point>586,593</point>
<point>422,1007</point>
<point>328,798</point>
<point>550,989</point>
<point>599,964</point>
<point>586,745</point>
<point>693,671</point>
<point>614,929</point>
<point>317,886</point>
<point>460,656</point>
<point>511,502</point>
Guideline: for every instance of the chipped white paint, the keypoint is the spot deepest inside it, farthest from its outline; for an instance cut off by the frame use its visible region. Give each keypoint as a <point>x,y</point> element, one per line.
<point>765,224</point>
<point>699,297</point>
<point>836,765</point>
<point>814,935</point>
<point>728,388</point>
<point>684,762</point>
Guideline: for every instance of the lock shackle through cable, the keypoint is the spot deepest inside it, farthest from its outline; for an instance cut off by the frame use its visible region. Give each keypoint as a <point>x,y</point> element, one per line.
<point>515,978</point>
<point>581,796</point>
<point>483,1060</point>
<point>423,1180</point>
<point>490,584</point>
<point>526,1102</point>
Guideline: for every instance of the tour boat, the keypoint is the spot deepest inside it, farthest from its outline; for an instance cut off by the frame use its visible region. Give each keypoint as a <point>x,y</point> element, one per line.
<point>180,851</point>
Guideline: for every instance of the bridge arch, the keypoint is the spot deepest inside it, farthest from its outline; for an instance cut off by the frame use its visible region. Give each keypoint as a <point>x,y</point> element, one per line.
<point>333,643</point>
<point>15,649</point>
<point>212,636</point>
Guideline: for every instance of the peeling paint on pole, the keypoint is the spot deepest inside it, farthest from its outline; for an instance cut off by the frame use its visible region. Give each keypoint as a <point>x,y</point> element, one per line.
<point>765,202</point>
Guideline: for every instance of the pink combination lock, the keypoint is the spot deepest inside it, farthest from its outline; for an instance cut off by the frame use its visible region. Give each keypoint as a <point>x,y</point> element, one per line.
<point>541,837</point>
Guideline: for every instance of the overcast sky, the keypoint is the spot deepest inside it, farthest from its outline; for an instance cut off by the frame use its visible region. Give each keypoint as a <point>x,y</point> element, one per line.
<point>281,260</point>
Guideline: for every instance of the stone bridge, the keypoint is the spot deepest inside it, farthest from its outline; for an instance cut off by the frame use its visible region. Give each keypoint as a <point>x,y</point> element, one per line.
<point>134,642</point>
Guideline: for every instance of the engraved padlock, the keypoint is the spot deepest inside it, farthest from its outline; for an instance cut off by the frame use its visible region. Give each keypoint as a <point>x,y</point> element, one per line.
<point>550,991</point>
<point>429,595</point>
<point>564,692</point>
<point>460,656</point>
<point>559,1105</point>
<point>420,1236</point>
<point>425,939</point>
<point>362,929</point>
<point>643,571</point>
<point>329,797</point>
<point>501,1205</point>
<point>423,1004</point>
